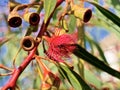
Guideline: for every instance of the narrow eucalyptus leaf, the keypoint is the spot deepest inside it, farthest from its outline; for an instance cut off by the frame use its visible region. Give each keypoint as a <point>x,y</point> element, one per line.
<point>98,47</point>
<point>75,80</point>
<point>49,6</point>
<point>82,53</point>
<point>114,18</point>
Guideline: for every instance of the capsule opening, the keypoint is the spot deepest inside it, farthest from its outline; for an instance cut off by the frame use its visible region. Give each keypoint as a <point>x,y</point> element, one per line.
<point>15,22</point>
<point>87,15</point>
<point>27,43</point>
<point>34,19</point>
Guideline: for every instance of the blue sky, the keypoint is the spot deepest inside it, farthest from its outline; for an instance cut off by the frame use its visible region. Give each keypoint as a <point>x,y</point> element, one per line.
<point>5,2</point>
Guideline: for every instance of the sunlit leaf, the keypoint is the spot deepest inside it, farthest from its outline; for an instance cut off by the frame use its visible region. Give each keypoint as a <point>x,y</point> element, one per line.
<point>72,23</point>
<point>6,39</point>
<point>91,78</point>
<point>76,80</point>
<point>102,21</point>
<point>82,53</point>
<point>49,6</point>
<point>115,2</point>
<point>107,13</point>
<point>36,82</point>
<point>99,49</point>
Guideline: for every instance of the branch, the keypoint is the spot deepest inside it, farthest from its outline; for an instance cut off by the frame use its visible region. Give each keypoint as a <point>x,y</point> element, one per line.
<point>17,71</point>
<point>5,68</point>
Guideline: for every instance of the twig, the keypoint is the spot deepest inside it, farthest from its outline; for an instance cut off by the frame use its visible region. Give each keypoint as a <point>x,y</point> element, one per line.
<point>23,6</point>
<point>6,74</point>
<point>6,68</point>
<point>14,58</point>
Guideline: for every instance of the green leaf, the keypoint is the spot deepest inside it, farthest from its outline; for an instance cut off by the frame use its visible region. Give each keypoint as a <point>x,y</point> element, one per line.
<point>92,78</point>
<point>56,12</point>
<point>72,23</point>
<point>115,2</point>
<point>49,6</point>
<point>102,21</point>
<point>6,39</point>
<point>114,18</point>
<point>75,80</point>
<point>99,49</point>
<point>36,82</point>
<point>82,53</point>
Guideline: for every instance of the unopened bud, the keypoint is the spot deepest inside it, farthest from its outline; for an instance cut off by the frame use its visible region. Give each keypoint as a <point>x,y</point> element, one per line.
<point>45,86</point>
<point>50,78</point>
<point>51,82</point>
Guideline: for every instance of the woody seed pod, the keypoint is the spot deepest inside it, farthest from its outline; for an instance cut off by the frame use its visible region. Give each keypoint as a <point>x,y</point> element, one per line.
<point>75,7</point>
<point>14,20</point>
<point>27,43</point>
<point>32,18</point>
<point>83,13</point>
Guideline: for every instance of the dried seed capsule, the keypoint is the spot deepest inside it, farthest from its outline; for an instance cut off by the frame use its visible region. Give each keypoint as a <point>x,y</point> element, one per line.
<point>32,18</point>
<point>27,43</point>
<point>14,20</point>
<point>75,7</point>
<point>83,13</point>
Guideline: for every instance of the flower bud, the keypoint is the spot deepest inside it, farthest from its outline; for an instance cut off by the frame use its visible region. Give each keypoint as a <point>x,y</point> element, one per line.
<point>83,13</point>
<point>27,43</point>
<point>50,82</point>
<point>65,25</point>
<point>45,86</point>
<point>32,18</point>
<point>14,20</point>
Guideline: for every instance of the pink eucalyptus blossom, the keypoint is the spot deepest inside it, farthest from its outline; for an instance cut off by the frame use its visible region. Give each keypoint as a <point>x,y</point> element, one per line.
<point>59,46</point>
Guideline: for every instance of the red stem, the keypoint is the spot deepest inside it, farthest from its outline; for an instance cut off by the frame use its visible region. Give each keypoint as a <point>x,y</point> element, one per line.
<point>17,71</point>
<point>44,25</point>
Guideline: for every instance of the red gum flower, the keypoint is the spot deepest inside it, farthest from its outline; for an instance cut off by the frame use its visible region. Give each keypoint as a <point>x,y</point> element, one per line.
<point>57,46</point>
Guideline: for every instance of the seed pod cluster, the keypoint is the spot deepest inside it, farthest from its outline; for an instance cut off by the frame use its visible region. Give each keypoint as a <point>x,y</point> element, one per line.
<point>15,20</point>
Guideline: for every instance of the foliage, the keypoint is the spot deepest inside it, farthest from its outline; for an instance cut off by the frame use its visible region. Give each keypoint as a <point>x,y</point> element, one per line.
<point>43,45</point>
